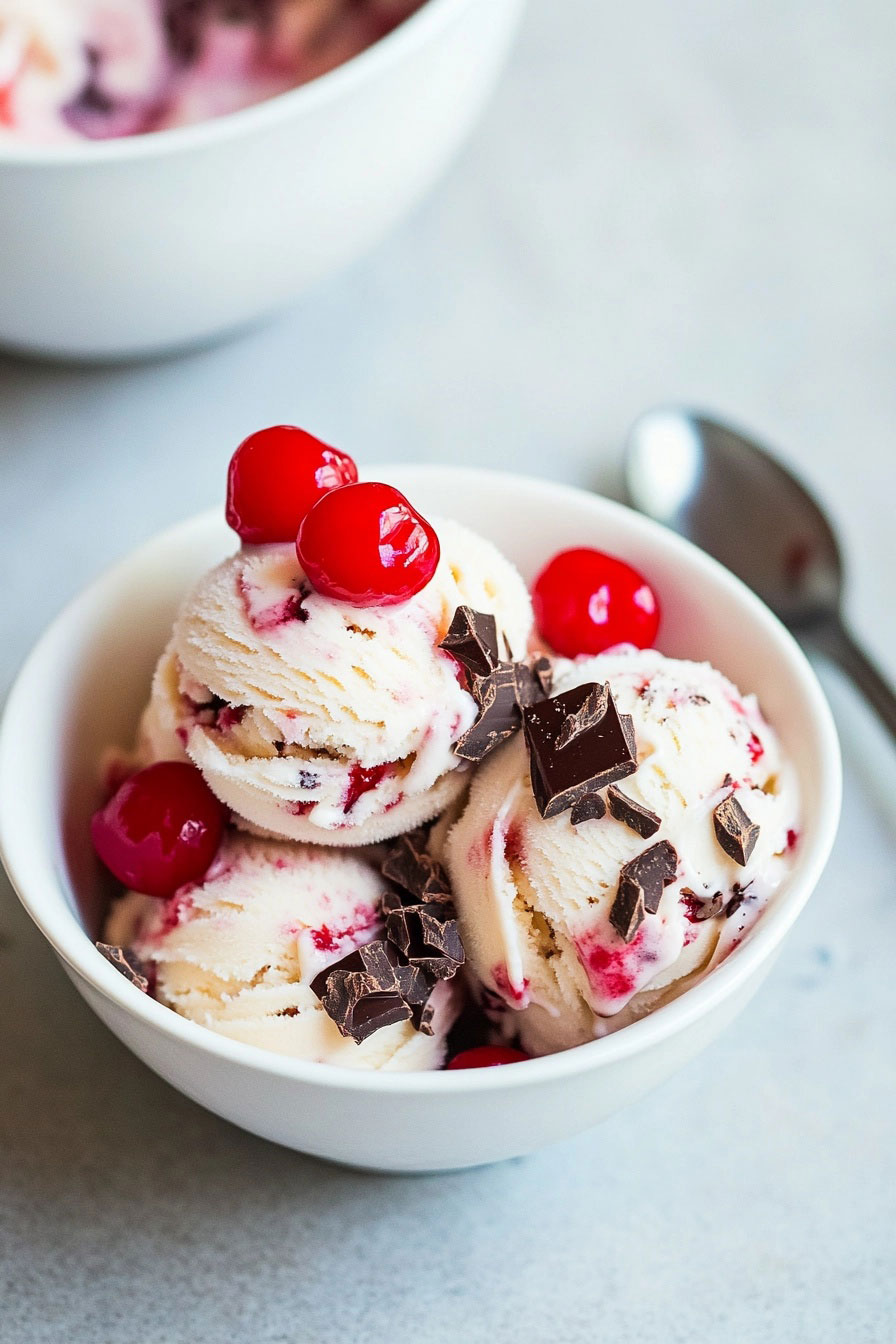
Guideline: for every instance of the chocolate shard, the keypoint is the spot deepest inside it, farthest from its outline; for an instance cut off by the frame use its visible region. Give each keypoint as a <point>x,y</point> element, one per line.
<point>703,907</point>
<point>577,742</point>
<point>735,832</point>
<point>640,889</point>
<point>738,896</point>
<point>373,988</point>
<point>534,681</point>
<point>414,870</point>
<point>500,687</point>
<point>543,672</point>
<point>499,715</point>
<point>588,712</point>
<point>421,921</point>
<point>426,934</point>
<point>416,988</point>
<point>632,814</point>
<point>132,967</point>
<point>590,808</point>
<point>627,724</point>
<point>627,913</point>
<point>655,868</point>
<point>472,639</point>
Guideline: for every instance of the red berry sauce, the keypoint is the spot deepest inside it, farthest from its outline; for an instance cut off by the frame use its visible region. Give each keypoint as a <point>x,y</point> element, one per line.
<point>611,969</point>
<point>516,994</point>
<point>361,780</point>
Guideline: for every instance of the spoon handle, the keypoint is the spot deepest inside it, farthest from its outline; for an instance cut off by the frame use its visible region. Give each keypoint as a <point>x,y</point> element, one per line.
<point>836,641</point>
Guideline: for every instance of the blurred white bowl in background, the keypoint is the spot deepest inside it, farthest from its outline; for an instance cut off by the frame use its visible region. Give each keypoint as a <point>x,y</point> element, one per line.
<point>120,248</point>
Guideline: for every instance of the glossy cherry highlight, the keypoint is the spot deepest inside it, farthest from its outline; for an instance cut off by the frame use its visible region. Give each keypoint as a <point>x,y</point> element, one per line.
<point>161,828</point>
<point>586,601</point>
<point>487,1057</point>
<point>366,544</point>
<point>274,478</point>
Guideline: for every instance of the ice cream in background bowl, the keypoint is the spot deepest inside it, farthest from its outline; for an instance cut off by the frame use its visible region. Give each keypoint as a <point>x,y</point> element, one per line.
<point>427,1119</point>
<point>100,69</point>
<point>173,170</point>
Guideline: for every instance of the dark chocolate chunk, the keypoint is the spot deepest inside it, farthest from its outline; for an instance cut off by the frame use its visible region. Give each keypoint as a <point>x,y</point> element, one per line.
<point>578,742</point>
<point>641,884</point>
<point>421,920</point>
<point>132,967</point>
<point>702,907</point>
<point>632,814</point>
<point>655,868</point>
<point>738,896</point>
<point>735,832</point>
<point>373,988</point>
<point>472,639</point>
<point>499,686</point>
<point>590,808</point>
<point>627,724</point>
<point>499,713</point>
<point>543,672</point>
<point>627,913</point>
<point>425,933</point>
<point>590,710</point>
<point>410,867</point>
<point>534,680</point>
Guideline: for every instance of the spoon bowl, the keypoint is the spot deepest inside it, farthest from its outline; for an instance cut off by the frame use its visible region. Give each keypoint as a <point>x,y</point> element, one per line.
<point>718,488</point>
<point>732,498</point>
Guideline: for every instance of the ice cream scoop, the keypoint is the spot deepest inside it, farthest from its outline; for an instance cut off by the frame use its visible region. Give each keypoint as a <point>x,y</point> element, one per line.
<point>238,952</point>
<point>316,720</point>
<point>542,899</point>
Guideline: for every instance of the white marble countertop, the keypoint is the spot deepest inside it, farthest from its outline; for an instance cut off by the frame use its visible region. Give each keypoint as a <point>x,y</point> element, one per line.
<point>686,201</point>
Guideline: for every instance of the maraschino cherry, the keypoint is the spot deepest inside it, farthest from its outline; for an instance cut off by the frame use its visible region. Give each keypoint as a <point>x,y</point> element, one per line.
<point>274,478</point>
<point>586,601</point>
<point>366,544</point>
<point>160,829</point>
<point>487,1057</point>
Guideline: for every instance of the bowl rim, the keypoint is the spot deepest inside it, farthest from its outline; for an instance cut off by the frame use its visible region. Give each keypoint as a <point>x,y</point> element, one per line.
<point>415,30</point>
<point>43,895</point>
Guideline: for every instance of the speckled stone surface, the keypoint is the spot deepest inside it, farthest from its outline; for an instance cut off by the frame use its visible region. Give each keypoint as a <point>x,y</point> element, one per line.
<point>692,201</point>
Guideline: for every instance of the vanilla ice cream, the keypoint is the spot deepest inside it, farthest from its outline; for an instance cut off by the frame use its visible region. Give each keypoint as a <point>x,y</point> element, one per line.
<point>316,720</point>
<point>237,952</point>
<point>534,895</point>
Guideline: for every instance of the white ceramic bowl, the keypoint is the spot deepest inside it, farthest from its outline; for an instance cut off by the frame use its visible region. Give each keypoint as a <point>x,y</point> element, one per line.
<point>84,684</point>
<point>145,244</point>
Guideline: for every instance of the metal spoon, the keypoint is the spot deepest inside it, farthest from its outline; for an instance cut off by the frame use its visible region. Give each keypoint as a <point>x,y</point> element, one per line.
<point>723,491</point>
